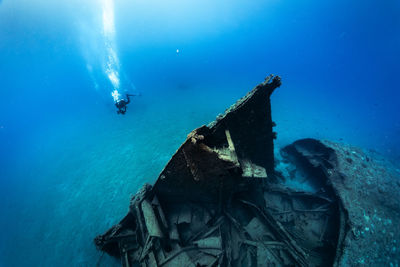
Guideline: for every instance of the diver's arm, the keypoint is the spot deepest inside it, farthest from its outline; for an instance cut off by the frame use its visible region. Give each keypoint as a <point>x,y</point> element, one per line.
<point>127,97</point>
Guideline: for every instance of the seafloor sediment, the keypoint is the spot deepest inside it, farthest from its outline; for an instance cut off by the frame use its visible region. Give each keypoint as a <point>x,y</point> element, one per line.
<point>224,200</point>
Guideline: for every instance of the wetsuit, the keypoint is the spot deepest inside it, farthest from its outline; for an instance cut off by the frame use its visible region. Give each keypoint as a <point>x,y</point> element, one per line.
<point>121,104</point>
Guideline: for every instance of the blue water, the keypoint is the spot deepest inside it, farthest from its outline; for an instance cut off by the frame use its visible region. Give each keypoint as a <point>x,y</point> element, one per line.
<point>69,163</point>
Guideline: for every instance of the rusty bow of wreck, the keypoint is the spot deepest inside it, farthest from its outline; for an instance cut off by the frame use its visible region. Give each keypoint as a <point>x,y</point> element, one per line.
<point>220,202</point>
<point>210,205</point>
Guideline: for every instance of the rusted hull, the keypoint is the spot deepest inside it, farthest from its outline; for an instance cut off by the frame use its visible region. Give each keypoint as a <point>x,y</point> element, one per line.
<point>220,201</point>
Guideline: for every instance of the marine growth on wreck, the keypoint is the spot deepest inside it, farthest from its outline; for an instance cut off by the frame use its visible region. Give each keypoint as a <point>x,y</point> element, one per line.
<point>223,199</point>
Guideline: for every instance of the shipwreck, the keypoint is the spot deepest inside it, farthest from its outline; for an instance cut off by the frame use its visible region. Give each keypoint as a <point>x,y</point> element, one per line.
<point>224,200</point>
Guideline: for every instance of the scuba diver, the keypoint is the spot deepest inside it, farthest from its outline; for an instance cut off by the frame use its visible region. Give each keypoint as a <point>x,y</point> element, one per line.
<point>121,104</point>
